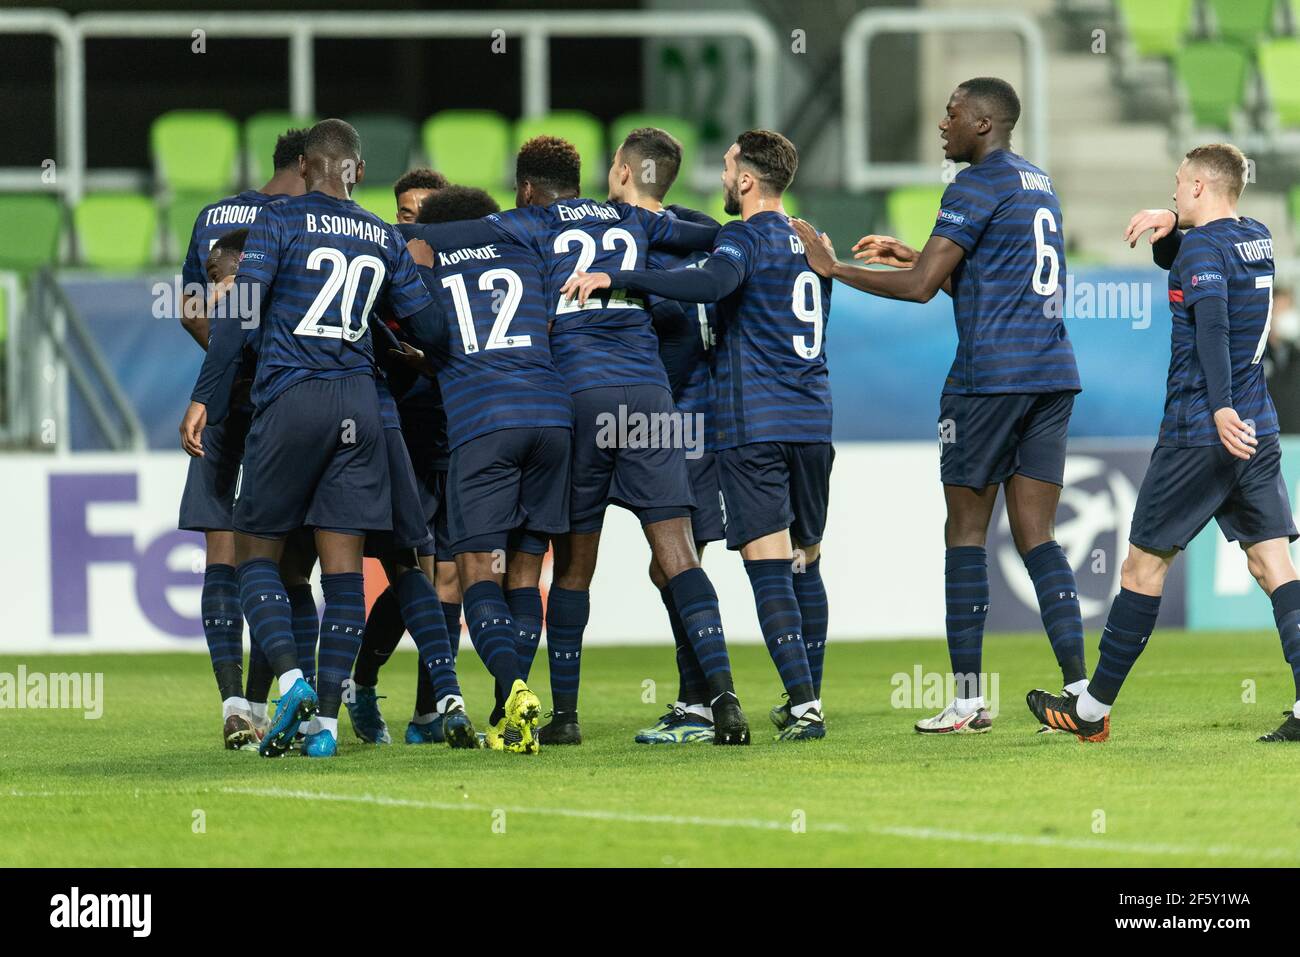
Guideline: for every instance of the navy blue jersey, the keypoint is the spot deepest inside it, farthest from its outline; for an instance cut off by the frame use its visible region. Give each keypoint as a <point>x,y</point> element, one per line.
<point>772,384</point>
<point>685,331</point>
<point>497,372</point>
<point>609,341</point>
<point>326,263</point>
<point>224,216</point>
<point>1232,260</point>
<point>1006,291</point>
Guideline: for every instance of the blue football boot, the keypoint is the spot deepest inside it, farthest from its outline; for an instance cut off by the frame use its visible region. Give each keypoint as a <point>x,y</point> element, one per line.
<point>299,704</point>
<point>430,733</point>
<point>320,744</point>
<point>367,720</point>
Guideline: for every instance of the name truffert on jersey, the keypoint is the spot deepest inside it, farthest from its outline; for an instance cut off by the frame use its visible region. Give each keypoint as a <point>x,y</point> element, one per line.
<point>347,226</point>
<point>1254,250</point>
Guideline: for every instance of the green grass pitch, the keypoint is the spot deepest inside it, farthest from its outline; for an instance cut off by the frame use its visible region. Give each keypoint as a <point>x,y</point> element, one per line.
<point>1181,782</point>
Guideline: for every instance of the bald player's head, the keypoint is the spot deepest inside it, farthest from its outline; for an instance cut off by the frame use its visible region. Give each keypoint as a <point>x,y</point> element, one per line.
<point>332,154</point>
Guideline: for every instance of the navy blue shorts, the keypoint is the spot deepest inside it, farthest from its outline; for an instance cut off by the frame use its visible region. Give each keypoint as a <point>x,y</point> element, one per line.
<point>208,502</point>
<point>615,464</point>
<point>505,483</point>
<point>1185,488</point>
<point>706,517</point>
<point>316,457</point>
<point>433,492</point>
<point>410,518</point>
<point>771,486</point>
<point>986,439</point>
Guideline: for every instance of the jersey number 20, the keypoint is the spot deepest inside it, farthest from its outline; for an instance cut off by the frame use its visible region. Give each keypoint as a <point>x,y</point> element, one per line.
<point>345,275</point>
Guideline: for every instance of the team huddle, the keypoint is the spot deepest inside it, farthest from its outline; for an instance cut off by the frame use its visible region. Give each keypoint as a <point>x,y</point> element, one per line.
<point>451,395</point>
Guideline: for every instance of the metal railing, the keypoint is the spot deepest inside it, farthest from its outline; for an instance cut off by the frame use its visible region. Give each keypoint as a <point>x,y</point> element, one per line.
<point>534,30</point>
<point>860,171</point>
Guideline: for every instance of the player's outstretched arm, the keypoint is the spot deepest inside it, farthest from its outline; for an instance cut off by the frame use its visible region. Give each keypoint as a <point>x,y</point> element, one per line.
<point>932,268</point>
<point>457,235</point>
<point>713,279</point>
<point>678,235</point>
<point>877,250</point>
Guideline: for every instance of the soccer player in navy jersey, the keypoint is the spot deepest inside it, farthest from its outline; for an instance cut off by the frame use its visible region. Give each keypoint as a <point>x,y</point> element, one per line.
<point>998,247</point>
<point>510,425</point>
<point>643,170</point>
<point>210,484</point>
<point>607,353</point>
<point>424,430</point>
<point>413,188</point>
<point>773,410</point>
<point>1218,455</point>
<point>313,268</point>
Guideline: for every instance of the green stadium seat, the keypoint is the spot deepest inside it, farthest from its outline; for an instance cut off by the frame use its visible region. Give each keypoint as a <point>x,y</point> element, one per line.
<point>387,142</point>
<point>1157,28</point>
<point>1214,78</point>
<point>911,211</point>
<point>1279,66</point>
<point>377,199</point>
<point>470,147</point>
<point>196,150</point>
<point>32,225</point>
<point>261,130</point>
<point>116,231</point>
<point>583,131</point>
<point>182,210</point>
<point>1243,21</point>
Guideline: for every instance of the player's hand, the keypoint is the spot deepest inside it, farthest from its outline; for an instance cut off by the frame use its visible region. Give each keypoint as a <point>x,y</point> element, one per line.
<point>217,291</point>
<point>877,250</point>
<point>196,417</point>
<point>409,355</point>
<point>816,248</point>
<point>1238,437</point>
<point>581,285</point>
<point>421,252</point>
<point>1161,222</point>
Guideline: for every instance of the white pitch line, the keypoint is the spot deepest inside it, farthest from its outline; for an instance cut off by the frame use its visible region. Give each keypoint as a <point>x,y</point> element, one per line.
<point>912,833</point>
<point>591,814</point>
<point>757,824</point>
<point>1083,844</point>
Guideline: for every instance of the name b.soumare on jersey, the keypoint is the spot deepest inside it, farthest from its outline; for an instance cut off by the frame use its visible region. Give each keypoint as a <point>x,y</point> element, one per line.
<point>497,371</point>
<point>227,215</point>
<point>771,381</point>
<point>1010,336</point>
<point>326,263</point>
<point>1232,260</point>
<point>609,340</point>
